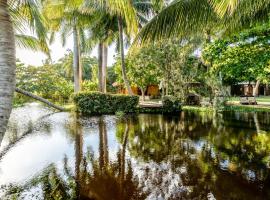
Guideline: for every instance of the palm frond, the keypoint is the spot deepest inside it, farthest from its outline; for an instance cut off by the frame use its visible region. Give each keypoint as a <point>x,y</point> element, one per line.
<point>180,18</point>
<point>123,9</point>
<point>32,43</point>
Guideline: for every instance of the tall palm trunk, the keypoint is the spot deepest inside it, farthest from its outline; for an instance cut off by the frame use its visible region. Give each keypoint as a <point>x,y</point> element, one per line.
<point>100,65</point>
<point>80,67</point>
<point>121,41</point>
<point>7,65</point>
<point>104,67</point>
<point>76,60</point>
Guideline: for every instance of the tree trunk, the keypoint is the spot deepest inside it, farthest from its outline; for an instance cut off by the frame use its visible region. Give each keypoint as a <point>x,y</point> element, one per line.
<point>266,90</point>
<point>39,99</point>
<point>143,96</point>
<point>100,64</point>
<point>76,60</point>
<point>167,88</point>
<point>256,89</point>
<point>122,51</point>
<point>104,67</point>
<point>80,67</point>
<point>7,65</point>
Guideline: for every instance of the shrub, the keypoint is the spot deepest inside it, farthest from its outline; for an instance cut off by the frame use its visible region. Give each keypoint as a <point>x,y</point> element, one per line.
<point>44,81</point>
<point>171,104</point>
<point>89,103</point>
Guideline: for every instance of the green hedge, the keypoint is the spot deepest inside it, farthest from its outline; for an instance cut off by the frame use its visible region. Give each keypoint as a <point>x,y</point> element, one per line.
<point>89,103</point>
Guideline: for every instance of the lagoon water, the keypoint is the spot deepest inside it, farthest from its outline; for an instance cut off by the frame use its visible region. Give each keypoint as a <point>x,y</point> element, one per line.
<point>46,155</point>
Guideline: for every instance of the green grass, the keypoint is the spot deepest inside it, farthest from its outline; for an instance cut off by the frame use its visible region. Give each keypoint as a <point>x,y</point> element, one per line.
<point>238,108</point>
<point>69,107</point>
<point>197,109</point>
<point>247,108</point>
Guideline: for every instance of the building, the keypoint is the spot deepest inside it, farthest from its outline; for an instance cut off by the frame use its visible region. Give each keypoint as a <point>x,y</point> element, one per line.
<point>246,88</point>
<point>152,90</point>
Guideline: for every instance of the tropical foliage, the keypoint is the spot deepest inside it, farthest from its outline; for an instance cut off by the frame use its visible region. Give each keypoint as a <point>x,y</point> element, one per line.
<point>242,57</point>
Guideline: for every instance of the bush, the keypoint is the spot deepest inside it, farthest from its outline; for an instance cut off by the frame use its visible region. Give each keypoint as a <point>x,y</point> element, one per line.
<point>171,104</point>
<point>89,103</point>
<point>44,81</point>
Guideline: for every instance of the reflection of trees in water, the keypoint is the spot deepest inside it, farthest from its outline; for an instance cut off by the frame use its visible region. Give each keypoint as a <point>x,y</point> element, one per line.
<point>208,156</point>
<point>216,157</point>
<point>93,177</point>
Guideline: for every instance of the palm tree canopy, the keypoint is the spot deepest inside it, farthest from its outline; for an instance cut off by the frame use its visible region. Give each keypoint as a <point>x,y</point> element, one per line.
<point>184,18</point>
<point>179,19</point>
<point>26,16</point>
<point>123,9</point>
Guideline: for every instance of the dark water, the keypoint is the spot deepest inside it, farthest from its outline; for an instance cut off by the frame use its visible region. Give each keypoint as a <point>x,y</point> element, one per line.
<point>189,156</point>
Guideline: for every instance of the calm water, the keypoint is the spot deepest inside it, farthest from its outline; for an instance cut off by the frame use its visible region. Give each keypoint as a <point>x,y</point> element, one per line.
<point>47,155</point>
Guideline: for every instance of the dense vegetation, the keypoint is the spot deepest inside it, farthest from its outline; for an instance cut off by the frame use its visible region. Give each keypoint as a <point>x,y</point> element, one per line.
<point>168,39</point>
<point>97,103</point>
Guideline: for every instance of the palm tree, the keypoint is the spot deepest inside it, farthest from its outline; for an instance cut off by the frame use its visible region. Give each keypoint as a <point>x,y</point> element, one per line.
<point>68,17</point>
<point>119,18</point>
<point>126,14</point>
<point>15,16</point>
<point>104,30</point>
<point>7,65</point>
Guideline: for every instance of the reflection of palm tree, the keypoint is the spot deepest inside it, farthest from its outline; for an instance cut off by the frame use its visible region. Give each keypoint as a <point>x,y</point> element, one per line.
<point>93,178</point>
<point>103,144</point>
<point>78,154</point>
<point>123,157</point>
<point>104,181</point>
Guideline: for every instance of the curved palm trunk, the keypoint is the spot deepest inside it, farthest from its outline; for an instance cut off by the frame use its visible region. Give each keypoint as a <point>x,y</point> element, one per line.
<point>121,41</point>
<point>76,61</point>
<point>39,99</point>
<point>104,67</point>
<point>7,65</point>
<point>100,66</point>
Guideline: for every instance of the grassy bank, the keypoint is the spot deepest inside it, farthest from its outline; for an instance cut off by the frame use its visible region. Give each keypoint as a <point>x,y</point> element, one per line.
<point>238,108</point>
<point>247,108</point>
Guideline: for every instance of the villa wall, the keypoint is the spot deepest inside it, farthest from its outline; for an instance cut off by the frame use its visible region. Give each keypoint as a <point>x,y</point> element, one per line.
<point>247,89</point>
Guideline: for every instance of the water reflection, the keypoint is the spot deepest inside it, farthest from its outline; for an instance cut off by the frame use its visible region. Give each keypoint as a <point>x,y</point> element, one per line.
<point>190,156</point>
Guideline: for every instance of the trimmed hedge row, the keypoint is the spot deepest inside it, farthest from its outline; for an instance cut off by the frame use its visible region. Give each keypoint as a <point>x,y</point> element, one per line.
<point>96,103</point>
<point>89,103</point>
